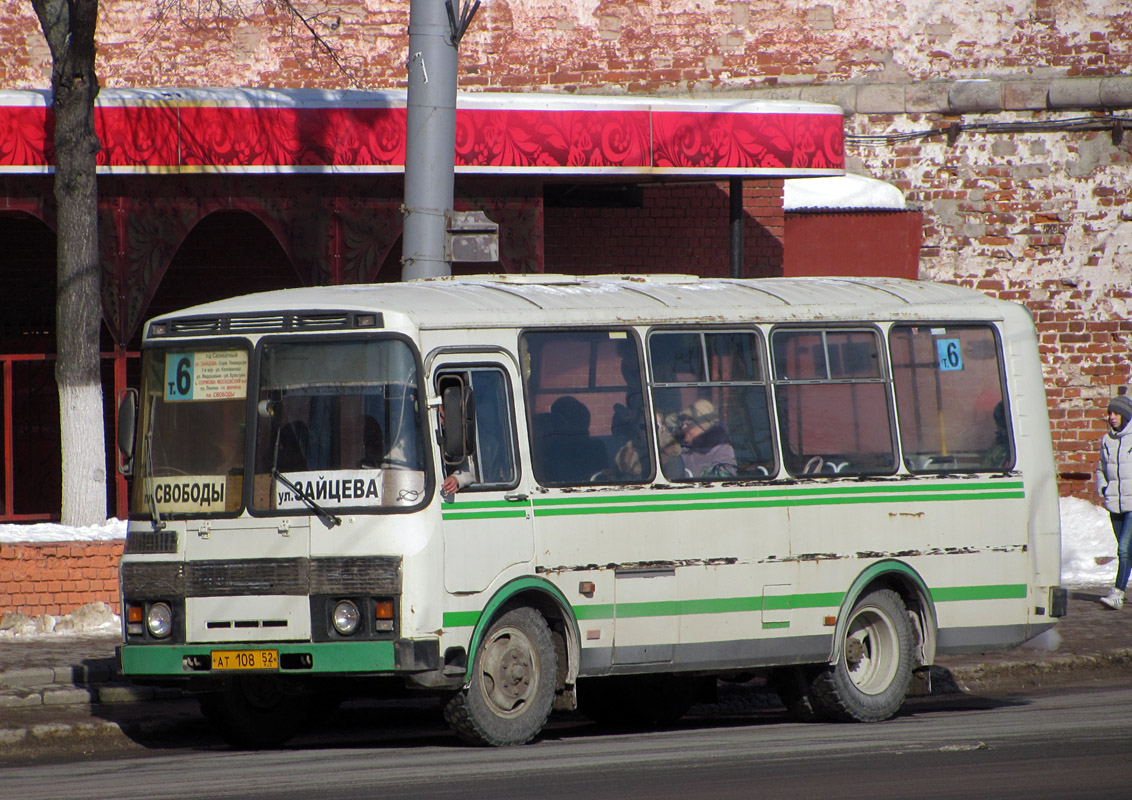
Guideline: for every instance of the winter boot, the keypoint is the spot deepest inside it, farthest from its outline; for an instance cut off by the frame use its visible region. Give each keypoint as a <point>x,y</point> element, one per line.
<point>1114,600</point>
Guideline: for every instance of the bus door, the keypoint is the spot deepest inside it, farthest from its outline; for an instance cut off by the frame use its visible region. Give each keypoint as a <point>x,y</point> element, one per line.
<point>487,523</point>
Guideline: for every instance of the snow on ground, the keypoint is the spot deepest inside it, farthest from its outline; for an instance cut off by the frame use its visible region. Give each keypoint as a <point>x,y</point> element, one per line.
<point>1088,558</point>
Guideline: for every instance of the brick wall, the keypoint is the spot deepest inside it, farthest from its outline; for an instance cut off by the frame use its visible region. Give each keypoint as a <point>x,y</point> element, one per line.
<point>58,577</point>
<point>675,229</point>
<point>1040,218</point>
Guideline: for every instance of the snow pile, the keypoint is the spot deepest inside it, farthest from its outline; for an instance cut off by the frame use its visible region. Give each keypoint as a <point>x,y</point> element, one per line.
<point>93,619</point>
<point>1088,546</point>
<point>1088,558</point>
<point>53,532</point>
<point>843,193</point>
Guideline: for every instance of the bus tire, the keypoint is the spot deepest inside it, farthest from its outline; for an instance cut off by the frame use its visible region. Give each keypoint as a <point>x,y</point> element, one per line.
<point>511,691</point>
<point>870,679</point>
<point>255,712</point>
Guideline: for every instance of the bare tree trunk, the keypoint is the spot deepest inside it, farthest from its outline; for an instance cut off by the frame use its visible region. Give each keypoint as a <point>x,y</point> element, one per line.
<point>69,27</point>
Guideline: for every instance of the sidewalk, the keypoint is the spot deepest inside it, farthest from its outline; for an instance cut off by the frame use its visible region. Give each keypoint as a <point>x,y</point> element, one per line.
<point>60,686</point>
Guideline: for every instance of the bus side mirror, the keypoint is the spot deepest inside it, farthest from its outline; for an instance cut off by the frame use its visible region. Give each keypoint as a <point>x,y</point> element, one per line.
<point>458,432</point>
<point>127,427</point>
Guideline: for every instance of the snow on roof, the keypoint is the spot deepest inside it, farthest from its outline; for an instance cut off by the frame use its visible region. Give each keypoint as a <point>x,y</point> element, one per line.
<point>841,193</point>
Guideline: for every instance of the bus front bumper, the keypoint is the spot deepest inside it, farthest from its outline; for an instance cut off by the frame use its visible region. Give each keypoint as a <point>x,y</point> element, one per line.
<point>402,656</point>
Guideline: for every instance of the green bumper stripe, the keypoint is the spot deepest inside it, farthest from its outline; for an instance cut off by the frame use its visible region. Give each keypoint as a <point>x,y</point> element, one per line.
<point>327,657</point>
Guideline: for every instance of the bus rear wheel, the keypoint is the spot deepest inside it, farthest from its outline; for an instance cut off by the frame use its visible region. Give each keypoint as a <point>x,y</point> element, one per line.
<point>511,691</point>
<point>869,681</point>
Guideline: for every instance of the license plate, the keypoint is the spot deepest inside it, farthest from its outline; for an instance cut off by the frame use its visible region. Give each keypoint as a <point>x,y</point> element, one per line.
<point>245,659</point>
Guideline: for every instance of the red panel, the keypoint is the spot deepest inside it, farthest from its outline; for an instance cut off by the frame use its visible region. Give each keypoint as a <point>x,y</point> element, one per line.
<point>879,244</point>
<point>548,138</point>
<point>175,134</point>
<point>26,136</point>
<point>744,141</point>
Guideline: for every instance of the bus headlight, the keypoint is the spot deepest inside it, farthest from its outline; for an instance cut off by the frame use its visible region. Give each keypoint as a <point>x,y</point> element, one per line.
<point>159,620</point>
<point>346,617</point>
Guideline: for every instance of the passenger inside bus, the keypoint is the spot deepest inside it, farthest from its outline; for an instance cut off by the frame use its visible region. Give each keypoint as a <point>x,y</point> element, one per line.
<point>576,456</point>
<point>707,450</point>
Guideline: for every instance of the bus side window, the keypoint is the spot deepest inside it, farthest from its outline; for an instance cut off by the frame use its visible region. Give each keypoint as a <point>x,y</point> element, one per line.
<point>712,409</point>
<point>950,398</point>
<point>834,413</point>
<point>491,465</point>
<point>586,405</point>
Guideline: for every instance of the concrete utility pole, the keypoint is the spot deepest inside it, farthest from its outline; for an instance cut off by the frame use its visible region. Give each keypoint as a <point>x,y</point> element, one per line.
<point>430,144</point>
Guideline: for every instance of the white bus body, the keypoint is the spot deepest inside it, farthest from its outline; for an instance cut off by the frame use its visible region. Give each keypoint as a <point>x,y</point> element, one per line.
<point>663,480</point>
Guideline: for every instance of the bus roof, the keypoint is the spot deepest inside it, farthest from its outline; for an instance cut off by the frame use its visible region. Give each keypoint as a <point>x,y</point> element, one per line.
<point>491,301</point>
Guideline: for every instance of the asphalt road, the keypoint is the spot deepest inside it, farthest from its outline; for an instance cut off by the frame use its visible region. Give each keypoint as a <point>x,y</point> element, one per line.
<point>1059,743</point>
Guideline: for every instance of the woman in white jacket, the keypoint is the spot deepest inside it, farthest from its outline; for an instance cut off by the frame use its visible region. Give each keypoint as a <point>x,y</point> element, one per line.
<point>1114,484</point>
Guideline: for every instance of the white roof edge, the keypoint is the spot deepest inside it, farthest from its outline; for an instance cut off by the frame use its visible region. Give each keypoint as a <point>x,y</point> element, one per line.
<point>377,98</point>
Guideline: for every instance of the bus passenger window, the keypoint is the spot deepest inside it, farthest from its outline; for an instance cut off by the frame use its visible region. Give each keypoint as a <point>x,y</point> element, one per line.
<point>586,405</point>
<point>950,399</point>
<point>491,465</point>
<point>833,406</point>
<point>712,411</point>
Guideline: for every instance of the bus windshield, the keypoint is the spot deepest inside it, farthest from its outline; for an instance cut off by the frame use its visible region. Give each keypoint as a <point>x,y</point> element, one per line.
<point>341,422</point>
<point>194,411</point>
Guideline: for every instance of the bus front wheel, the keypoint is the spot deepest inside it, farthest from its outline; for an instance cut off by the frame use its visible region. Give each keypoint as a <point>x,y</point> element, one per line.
<point>869,681</point>
<point>509,697</point>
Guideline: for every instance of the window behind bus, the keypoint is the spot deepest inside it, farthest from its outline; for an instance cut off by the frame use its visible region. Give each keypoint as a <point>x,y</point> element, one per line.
<point>585,399</point>
<point>193,420</point>
<point>833,408</point>
<point>710,398</point>
<point>339,419</point>
<point>949,397</point>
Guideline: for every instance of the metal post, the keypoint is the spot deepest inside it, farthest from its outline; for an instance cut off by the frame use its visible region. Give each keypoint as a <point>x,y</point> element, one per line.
<point>736,227</point>
<point>430,142</point>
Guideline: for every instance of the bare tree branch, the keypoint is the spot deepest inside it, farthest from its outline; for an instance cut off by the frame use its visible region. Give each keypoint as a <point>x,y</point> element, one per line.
<point>288,16</point>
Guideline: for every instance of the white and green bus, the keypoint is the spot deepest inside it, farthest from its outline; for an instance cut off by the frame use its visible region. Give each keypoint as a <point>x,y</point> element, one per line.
<point>527,493</point>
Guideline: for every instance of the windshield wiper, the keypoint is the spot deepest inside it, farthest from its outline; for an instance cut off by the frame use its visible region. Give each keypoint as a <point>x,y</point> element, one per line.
<point>328,519</point>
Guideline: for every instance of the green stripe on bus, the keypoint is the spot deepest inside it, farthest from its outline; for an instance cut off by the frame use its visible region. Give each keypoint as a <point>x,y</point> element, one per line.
<point>733,605</point>
<point>510,513</point>
<point>629,506</point>
<point>1006,591</point>
<point>683,496</point>
<point>460,619</point>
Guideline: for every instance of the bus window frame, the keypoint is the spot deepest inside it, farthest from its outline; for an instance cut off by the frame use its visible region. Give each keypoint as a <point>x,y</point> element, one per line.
<point>762,348</point>
<point>446,368</point>
<point>884,378</point>
<point>422,421</point>
<point>1004,389</point>
<point>523,353</point>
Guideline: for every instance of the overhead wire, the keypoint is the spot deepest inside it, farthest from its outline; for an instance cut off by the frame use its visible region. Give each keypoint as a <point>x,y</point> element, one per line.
<point>1107,122</point>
